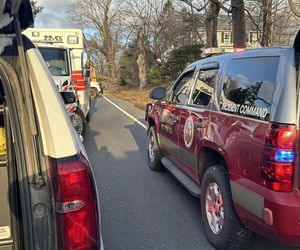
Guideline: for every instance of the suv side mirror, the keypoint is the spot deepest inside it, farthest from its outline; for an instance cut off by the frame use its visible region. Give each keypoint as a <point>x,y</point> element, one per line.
<point>85,60</point>
<point>158,93</point>
<point>68,97</point>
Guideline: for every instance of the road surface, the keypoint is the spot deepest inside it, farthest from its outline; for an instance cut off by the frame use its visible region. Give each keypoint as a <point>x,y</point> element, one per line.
<point>140,209</point>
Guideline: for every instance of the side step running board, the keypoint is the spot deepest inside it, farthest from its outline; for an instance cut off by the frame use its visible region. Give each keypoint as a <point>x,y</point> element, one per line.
<point>185,180</point>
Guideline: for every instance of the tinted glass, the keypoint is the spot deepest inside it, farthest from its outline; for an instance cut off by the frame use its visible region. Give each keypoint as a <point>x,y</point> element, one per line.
<point>204,87</point>
<point>183,89</point>
<point>248,87</point>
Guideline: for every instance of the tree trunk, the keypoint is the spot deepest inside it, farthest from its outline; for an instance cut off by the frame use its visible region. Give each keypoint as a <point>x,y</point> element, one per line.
<point>111,64</point>
<point>215,9</point>
<point>267,22</point>
<point>142,58</point>
<point>238,24</point>
<point>209,32</point>
<point>211,25</point>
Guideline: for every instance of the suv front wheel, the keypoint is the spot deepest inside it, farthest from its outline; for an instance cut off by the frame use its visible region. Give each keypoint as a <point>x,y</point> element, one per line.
<point>221,224</point>
<point>154,154</point>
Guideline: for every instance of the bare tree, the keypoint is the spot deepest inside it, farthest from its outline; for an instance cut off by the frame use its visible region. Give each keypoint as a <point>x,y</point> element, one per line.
<point>273,20</point>
<point>295,8</point>
<point>193,18</point>
<point>36,9</point>
<point>267,22</point>
<point>238,24</point>
<point>104,20</point>
<point>211,23</point>
<point>155,28</point>
<point>142,57</point>
<point>141,13</point>
<point>209,10</point>
<point>165,29</point>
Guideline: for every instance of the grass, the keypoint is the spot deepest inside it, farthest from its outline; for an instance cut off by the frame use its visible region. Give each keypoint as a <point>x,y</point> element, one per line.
<point>137,97</point>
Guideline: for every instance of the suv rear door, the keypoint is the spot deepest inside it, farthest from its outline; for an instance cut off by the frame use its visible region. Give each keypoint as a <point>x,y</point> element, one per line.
<point>15,15</point>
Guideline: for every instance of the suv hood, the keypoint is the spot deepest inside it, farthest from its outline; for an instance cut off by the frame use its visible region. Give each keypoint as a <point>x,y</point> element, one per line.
<point>8,10</point>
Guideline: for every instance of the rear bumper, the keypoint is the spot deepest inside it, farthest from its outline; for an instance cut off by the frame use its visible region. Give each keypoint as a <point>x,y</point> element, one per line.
<point>286,213</point>
<point>285,207</point>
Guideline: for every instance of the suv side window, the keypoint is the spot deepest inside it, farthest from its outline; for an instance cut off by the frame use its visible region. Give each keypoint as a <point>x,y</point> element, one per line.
<point>183,89</point>
<point>204,87</point>
<point>248,87</point>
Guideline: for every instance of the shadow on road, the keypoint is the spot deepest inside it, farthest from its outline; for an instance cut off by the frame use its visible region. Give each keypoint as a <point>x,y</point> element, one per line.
<point>139,135</point>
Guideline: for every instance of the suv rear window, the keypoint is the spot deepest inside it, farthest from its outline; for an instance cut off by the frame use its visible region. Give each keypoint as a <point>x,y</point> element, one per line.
<point>248,87</point>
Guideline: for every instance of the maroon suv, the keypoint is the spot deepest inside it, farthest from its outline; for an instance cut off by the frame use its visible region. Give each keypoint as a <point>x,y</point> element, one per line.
<point>227,129</point>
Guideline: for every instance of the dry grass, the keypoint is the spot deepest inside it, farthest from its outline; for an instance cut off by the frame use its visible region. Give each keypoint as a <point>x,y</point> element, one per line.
<point>137,97</point>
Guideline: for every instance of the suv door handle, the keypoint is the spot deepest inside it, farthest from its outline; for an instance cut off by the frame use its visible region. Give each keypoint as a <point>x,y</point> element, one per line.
<point>200,124</point>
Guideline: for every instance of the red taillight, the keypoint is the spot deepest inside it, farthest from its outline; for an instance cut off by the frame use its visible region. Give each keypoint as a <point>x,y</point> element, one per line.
<point>76,206</point>
<point>278,166</point>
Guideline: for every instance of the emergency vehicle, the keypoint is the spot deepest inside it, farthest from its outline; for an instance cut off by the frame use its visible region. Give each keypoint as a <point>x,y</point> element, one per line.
<point>96,87</point>
<point>228,130</point>
<point>63,51</point>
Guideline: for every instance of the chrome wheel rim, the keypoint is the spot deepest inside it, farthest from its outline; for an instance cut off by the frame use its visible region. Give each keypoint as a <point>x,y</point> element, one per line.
<point>77,123</point>
<point>214,207</point>
<point>93,94</point>
<point>151,147</point>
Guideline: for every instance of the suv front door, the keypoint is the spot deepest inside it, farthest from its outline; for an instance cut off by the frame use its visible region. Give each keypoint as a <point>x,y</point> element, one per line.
<point>170,115</point>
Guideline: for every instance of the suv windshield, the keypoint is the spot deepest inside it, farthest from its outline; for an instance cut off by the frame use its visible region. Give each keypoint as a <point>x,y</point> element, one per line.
<point>57,61</point>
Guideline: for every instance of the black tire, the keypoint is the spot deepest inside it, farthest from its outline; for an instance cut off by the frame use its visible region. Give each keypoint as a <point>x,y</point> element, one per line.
<point>153,154</point>
<point>79,114</point>
<point>232,235</point>
<point>94,93</point>
<point>88,116</point>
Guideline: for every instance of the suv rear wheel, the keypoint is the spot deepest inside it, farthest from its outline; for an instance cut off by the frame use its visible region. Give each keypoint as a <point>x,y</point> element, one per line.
<point>154,154</point>
<point>221,224</point>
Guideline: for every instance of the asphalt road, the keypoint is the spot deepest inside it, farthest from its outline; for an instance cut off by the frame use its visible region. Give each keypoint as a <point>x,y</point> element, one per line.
<point>141,209</point>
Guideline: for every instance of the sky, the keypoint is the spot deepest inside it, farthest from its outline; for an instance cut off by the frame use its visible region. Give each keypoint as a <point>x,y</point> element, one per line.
<point>54,14</point>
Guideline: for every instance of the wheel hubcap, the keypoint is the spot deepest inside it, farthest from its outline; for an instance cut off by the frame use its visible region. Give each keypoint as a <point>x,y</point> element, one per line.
<point>93,94</point>
<point>151,148</point>
<point>214,207</point>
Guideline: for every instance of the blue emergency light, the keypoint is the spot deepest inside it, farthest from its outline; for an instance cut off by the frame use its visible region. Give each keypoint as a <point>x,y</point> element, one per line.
<point>284,156</point>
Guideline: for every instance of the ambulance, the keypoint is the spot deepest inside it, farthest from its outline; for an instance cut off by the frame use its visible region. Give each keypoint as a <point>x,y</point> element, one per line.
<point>63,51</point>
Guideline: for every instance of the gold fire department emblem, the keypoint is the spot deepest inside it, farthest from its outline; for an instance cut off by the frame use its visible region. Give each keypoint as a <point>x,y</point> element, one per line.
<point>188,133</point>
